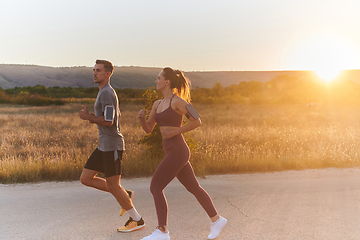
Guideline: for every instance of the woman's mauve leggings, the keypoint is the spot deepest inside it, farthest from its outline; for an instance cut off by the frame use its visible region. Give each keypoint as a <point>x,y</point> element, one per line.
<point>176,164</point>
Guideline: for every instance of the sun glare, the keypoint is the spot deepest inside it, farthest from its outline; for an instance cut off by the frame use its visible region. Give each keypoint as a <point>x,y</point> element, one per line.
<point>328,74</point>
<point>326,55</point>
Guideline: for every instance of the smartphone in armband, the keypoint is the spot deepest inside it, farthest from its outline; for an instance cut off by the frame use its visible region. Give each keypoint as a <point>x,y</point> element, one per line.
<point>109,113</point>
<point>191,112</point>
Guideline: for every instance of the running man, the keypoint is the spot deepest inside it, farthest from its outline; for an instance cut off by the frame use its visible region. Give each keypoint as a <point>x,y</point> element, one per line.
<point>107,157</point>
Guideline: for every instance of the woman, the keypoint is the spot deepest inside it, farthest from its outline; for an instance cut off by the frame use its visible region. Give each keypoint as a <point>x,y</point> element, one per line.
<point>168,113</point>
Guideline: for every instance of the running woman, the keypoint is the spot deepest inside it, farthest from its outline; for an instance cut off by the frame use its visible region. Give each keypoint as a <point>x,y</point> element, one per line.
<point>168,114</point>
<point>107,157</point>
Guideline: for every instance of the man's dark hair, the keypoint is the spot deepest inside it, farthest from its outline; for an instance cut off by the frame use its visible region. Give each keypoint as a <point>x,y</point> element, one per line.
<point>107,65</point>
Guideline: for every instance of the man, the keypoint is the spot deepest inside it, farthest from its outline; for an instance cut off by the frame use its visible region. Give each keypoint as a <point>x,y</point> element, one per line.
<point>107,157</point>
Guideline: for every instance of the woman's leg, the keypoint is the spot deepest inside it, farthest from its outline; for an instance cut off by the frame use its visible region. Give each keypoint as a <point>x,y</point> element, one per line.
<point>187,177</point>
<point>167,170</point>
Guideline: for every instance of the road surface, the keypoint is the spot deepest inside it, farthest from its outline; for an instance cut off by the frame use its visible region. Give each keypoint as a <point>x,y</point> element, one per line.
<point>310,204</point>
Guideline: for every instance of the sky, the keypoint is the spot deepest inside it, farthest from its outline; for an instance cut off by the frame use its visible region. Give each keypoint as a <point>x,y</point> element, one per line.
<point>191,35</point>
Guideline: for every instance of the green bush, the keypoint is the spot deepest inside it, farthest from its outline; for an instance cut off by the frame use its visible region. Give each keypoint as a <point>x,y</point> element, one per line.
<point>153,140</point>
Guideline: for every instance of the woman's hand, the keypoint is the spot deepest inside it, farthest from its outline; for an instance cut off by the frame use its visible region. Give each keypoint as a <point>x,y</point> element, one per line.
<point>142,114</point>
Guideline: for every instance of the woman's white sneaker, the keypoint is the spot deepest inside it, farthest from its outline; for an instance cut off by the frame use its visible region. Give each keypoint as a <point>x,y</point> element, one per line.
<point>157,235</point>
<point>216,227</point>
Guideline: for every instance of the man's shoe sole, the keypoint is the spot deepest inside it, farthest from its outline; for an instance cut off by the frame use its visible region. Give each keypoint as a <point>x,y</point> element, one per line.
<point>133,229</point>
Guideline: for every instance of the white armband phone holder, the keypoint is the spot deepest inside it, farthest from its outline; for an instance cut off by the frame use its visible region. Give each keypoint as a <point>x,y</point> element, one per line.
<point>191,112</point>
<point>109,113</point>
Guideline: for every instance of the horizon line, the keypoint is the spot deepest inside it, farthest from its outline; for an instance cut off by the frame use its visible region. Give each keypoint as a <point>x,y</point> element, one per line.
<point>136,66</point>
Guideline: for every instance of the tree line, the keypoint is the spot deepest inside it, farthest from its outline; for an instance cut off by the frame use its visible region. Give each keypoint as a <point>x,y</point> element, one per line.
<point>280,90</point>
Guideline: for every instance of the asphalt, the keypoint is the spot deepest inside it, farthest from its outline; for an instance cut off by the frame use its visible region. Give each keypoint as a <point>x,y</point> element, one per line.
<point>310,204</point>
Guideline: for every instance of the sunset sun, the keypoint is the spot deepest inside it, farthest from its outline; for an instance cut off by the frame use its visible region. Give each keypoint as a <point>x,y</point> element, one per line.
<point>326,55</point>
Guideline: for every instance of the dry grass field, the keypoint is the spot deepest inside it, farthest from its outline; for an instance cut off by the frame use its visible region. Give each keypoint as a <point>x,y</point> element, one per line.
<point>53,143</point>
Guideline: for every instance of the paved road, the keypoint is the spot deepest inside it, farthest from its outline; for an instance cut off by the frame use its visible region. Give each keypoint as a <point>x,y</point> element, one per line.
<point>311,204</point>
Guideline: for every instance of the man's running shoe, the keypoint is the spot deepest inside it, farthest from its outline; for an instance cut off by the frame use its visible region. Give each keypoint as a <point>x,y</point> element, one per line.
<point>157,235</point>
<point>131,195</point>
<point>132,225</point>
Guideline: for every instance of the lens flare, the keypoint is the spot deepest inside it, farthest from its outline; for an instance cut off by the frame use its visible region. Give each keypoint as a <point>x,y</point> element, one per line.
<point>327,55</point>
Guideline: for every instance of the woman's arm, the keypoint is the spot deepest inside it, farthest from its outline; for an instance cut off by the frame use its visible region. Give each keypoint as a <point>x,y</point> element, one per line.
<point>180,107</point>
<point>148,125</point>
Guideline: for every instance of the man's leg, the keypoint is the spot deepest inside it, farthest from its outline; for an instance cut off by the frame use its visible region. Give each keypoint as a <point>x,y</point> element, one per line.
<point>114,187</point>
<point>93,166</point>
<point>88,178</point>
<point>135,221</point>
<point>132,196</point>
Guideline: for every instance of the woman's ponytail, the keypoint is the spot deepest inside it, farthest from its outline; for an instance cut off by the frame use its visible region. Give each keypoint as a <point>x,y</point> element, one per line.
<point>178,82</point>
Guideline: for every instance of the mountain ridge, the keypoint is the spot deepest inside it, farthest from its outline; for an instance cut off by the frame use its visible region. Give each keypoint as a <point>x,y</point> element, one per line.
<point>13,75</point>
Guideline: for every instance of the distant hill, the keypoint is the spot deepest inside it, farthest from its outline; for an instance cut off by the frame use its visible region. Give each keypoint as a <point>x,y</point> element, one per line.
<point>134,77</point>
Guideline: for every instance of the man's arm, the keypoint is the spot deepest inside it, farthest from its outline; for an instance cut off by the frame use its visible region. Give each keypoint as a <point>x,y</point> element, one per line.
<point>99,120</point>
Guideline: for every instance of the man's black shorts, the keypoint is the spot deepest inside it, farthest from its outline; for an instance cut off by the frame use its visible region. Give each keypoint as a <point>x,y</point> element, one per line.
<point>105,162</point>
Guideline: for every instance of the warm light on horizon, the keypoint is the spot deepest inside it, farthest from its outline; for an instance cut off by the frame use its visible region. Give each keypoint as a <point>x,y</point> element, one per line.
<point>325,54</point>
<point>328,75</point>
